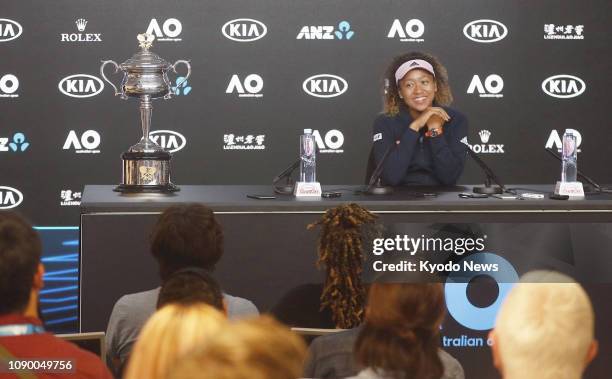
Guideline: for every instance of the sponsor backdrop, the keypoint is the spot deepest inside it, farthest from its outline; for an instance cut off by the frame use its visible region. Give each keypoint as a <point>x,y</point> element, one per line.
<point>263,71</point>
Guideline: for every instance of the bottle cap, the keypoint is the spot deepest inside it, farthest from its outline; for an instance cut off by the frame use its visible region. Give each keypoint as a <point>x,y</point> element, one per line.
<point>307,131</point>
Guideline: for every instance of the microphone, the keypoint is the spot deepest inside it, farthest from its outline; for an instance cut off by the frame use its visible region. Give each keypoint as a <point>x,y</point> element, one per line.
<point>375,186</point>
<point>596,186</point>
<point>488,189</point>
<point>287,188</point>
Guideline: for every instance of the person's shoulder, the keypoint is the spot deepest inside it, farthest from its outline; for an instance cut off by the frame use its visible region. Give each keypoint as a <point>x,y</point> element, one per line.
<point>238,307</point>
<point>135,300</point>
<point>87,364</point>
<point>452,367</point>
<point>336,343</point>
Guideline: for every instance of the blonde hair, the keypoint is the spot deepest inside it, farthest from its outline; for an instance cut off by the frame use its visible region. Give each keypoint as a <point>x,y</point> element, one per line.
<point>544,330</point>
<point>173,331</point>
<point>259,348</point>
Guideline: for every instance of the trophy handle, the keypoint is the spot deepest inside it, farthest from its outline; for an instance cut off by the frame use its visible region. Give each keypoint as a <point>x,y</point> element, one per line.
<point>104,63</point>
<point>186,63</point>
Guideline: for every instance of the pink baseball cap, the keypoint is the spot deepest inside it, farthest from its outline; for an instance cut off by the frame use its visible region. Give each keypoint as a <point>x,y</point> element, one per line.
<point>411,65</point>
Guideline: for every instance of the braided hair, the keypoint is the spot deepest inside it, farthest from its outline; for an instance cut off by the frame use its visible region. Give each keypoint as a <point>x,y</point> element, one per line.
<point>343,232</point>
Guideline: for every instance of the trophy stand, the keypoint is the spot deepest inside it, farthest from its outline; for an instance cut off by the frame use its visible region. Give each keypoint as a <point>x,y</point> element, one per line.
<point>146,165</point>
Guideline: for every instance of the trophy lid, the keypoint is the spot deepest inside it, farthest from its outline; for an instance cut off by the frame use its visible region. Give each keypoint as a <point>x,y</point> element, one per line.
<point>145,60</point>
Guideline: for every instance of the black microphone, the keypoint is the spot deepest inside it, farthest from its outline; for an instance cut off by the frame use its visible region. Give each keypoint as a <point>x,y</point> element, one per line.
<point>375,186</point>
<point>488,189</point>
<point>287,188</point>
<point>580,174</point>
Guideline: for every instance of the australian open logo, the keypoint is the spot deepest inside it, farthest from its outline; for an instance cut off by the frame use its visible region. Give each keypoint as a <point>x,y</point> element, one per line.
<point>325,85</point>
<point>485,31</point>
<point>244,30</point>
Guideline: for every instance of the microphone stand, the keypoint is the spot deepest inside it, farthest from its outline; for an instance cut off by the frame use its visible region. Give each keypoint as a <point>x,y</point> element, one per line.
<point>594,184</point>
<point>375,186</point>
<point>488,189</point>
<point>287,188</point>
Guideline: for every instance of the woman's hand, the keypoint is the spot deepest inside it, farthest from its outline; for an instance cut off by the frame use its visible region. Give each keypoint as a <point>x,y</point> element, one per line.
<point>432,117</point>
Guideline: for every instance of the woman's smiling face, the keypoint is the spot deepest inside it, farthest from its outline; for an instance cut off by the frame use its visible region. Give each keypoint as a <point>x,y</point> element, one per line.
<point>418,89</point>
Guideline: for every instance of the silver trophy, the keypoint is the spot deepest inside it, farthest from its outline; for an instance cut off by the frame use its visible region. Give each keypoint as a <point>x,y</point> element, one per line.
<point>146,165</point>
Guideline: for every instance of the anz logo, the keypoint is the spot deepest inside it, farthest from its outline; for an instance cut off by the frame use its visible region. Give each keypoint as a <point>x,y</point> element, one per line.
<point>325,85</point>
<point>80,85</point>
<point>244,30</point>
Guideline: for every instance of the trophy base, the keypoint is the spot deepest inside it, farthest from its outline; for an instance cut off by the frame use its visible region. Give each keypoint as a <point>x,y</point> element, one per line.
<point>146,172</point>
<point>124,188</point>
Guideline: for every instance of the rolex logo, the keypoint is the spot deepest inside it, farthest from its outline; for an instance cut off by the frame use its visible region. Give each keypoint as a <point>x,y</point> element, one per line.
<point>484,136</point>
<point>80,23</point>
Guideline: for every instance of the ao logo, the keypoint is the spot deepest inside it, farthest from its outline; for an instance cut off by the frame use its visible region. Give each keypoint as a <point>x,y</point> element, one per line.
<point>168,139</point>
<point>171,28</point>
<point>81,85</point>
<point>331,143</point>
<point>325,85</point>
<point>250,87</point>
<point>88,142</point>
<point>8,84</point>
<point>9,30</point>
<point>410,32</point>
<point>554,139</point>
<point>485,31</point>
<point>563,86</point>
<point>493,85</point>
<point>10,197</point>
<point>244,30</point>
<point>455,292</point>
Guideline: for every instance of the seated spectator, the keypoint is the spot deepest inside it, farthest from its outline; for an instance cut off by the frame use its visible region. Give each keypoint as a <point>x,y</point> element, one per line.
<point>22,335</point>
<point>339,302</point>
<point>184,236</point>
<point>191,285</point>
<point>544,329</point>
<point>400,337</point>
<point>259,348</point>
<point>172,332</point>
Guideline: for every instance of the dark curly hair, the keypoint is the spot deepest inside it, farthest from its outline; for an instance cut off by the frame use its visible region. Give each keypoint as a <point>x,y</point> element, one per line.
<point>343,232</point>
<point>391,97</point>
<point>186,235</point>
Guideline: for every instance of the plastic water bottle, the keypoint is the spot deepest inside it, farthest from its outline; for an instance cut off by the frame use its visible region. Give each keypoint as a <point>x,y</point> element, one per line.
<point>308,162</point>
<point>569,167</point>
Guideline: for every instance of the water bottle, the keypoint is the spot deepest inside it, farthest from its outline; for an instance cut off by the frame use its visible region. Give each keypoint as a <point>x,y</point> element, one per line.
<point>569,167</point>
<point>308,163</point>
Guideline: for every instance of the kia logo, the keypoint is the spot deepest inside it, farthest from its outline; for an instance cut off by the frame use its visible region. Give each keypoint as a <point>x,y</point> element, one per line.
<point>10,197</point>
<point>9,30</point>
<point>563,86</point>
<point>325,85</point>
<point>81,85</point>
<point>485,31</point>
<point>168,139</point>
<point>244,30</point>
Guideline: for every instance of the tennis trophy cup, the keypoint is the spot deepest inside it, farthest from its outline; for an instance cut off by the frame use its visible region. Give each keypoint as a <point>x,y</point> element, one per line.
<point>146,165</point>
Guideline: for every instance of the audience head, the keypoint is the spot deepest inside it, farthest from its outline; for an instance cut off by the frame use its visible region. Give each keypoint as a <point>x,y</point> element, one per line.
<point>169,334</point>
<point>544,329</point>
<point>258,348</point>
<point>343,231</point>
<point>188,286</point>
<point>400,335</point>
<point>184,236</point>
<point>21,271</point>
